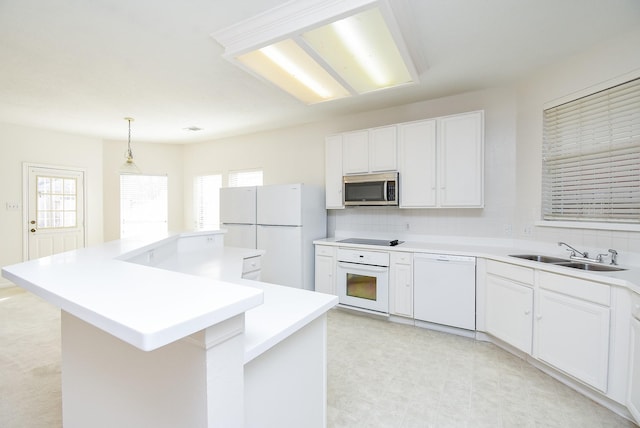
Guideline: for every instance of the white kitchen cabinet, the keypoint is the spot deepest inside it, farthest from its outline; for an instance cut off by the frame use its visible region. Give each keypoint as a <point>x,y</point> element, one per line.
<point>441,162</point>
<point>251,268</point>
<point>572,327</point>
<point>401,284</point>
<point>325,265</point>
<point>417,164</point>
<point>508,313</point>
<point>333,172</point>
<point>633,395</point>
<point>461,160</point>
<point>369,150</point>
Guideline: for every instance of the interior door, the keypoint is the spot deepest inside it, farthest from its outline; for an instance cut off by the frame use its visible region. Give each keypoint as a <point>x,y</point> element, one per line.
<point>55,209</point>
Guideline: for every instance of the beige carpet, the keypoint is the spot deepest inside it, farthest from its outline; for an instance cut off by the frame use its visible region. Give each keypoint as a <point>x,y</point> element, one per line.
<point>30,394</point>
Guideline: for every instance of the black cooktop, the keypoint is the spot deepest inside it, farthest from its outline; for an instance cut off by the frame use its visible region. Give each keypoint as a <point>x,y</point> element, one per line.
<point>380,242</point>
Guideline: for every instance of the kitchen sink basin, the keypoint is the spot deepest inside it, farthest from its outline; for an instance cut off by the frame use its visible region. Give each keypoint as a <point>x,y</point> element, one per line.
<point>589,266</point>
<point>538,258</point>
<point>567,263</point>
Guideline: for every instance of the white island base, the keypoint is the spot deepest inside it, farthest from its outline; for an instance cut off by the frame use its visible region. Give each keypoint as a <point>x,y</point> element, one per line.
<point>198,381</point>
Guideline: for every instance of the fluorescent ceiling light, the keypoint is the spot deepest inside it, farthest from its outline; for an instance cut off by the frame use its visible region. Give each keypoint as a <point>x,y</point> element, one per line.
<point>288,66</point>
<point>321,50</point>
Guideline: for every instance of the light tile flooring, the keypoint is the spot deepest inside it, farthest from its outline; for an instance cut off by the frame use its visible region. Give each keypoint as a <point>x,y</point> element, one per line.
<point>384,374</point>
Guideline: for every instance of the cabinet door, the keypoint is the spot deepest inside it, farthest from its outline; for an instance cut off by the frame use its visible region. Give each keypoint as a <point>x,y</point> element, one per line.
<point>633,398</point>
<point>461,160</point>
<point>333,172</point>
<point>401,285</point>
<point>382,149</point>
<point>573,336</point>
<point>508,312</point>
<point>355,152</point>
<point>324,276</point>
<point>417,164</point>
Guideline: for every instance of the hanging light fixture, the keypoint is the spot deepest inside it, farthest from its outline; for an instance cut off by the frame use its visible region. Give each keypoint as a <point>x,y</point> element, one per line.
<point>129,167</point>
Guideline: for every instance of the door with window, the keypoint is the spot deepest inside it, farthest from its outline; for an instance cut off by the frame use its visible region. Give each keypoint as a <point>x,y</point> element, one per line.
<point>55,210</point>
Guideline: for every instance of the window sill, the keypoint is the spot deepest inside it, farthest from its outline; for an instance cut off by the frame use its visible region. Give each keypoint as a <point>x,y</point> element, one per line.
<point>592,226</point>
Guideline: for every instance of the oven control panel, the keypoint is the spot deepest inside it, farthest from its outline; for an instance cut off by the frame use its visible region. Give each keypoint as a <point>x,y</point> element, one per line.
<point>374,258</point>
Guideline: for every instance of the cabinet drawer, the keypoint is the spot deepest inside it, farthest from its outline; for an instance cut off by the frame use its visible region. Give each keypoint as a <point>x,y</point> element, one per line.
<point>325,250</point>
<point>251,264</point>
<point>576,287</point>
<point>512,272</point>
<point>402,258</point>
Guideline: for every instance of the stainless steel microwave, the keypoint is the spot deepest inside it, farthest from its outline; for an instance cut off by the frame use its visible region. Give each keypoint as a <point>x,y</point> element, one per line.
<point>370,189</point>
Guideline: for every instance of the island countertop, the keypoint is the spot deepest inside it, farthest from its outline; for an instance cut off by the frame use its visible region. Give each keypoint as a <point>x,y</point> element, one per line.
<point>149,307</point>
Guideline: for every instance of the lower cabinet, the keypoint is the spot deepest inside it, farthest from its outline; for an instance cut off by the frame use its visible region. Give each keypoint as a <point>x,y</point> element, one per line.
<point>572,330</point>
<point>509,312</point>
<point>633,394</point>
<point>401,284</point>
<point>325,268</point>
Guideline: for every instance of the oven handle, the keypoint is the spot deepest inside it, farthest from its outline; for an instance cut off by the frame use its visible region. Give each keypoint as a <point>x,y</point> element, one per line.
<point>362,268</point>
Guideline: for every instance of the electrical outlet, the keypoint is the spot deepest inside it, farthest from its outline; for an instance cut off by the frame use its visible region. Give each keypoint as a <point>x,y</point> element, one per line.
<point>13,206</point>
<point>507,229</point>
<point>528,230</point>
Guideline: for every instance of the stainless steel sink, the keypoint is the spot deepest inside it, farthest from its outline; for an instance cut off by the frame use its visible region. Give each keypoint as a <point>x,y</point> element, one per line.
<point>538,258</point>
<point>589,266</point>
<point>567,263</point>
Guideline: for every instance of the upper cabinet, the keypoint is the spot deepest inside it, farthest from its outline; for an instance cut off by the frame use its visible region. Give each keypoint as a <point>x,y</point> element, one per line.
<point>333,172</point>
<point>370,150</point>
<point>461,160</point>
<point>441,162</point>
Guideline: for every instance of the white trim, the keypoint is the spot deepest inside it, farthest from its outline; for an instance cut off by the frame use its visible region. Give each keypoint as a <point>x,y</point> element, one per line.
<point>589,225</point>
<point>25,201</point>
<point>592,89</point>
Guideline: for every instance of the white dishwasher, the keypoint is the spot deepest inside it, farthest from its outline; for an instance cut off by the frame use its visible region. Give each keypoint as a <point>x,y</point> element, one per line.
<point>445,289</point>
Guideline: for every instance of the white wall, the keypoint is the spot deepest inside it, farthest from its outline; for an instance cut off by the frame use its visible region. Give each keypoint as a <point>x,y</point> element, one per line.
<point>21,144</point>
<point>152,159</point>
<point>602,63</point>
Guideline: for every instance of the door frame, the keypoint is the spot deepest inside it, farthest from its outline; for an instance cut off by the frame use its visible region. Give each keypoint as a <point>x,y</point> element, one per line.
<point>25,201</point>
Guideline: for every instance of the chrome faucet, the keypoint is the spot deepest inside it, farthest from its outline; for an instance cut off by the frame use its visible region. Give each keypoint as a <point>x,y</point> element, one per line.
<point>614,257</point>
<point>574,251</point>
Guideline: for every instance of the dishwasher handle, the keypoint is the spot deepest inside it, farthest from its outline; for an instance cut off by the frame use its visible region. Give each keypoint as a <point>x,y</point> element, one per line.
<point>444,258</point>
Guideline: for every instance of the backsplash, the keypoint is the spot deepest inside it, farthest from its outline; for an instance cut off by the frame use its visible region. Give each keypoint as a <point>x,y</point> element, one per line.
<point>474,227</point>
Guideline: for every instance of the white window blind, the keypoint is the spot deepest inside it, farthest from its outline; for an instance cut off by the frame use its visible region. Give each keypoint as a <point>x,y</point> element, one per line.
<point>143,205</point>
<point>245,178</point>
<point>591,157</point>
<point>207,201</point>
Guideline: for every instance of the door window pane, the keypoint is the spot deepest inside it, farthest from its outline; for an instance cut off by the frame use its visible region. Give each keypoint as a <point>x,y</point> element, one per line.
<point>56,202</point>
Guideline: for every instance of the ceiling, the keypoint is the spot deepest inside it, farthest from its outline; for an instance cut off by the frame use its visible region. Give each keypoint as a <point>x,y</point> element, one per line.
<point>82,66</point>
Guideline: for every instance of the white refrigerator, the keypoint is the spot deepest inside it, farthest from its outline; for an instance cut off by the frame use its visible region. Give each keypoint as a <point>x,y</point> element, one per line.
<point>289,218</point>
<point>238,216</point>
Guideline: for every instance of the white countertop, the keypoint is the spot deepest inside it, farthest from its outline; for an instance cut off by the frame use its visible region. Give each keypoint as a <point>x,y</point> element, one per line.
<point>149,307</point>
<point>630,277</point>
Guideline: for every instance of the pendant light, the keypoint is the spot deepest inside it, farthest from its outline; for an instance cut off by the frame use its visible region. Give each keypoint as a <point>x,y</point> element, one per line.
<point>129,167</point>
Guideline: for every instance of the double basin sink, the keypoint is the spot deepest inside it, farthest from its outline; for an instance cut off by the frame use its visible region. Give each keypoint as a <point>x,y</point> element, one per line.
<point>567,263</point>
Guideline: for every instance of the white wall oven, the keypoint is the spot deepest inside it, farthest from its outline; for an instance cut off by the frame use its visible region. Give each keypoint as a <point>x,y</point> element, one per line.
<point>363,279</point>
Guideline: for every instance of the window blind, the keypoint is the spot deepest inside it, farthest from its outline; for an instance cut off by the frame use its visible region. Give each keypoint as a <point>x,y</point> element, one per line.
<point>143,205</point>
<point>207,201</point>
<point>591,157</point>
<point>245,178</point>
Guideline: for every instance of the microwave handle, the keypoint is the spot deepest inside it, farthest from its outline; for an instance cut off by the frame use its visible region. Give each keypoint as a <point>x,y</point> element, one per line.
<point>386,193</point>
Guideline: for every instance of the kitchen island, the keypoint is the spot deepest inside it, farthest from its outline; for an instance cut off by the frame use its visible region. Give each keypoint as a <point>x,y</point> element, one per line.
<point>165,333</point>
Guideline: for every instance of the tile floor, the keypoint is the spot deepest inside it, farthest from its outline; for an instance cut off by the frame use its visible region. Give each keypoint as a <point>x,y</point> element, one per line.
<point>384,374</point>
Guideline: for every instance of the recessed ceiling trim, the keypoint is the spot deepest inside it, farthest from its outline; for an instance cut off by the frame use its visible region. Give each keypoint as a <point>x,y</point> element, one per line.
<point>278,23</point>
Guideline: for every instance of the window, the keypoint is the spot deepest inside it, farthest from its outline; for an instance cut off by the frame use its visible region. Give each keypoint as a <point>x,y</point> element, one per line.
<point>206,194</point>
<point>245,178</point>
<point>56,206</point>
<point>143,205</point>
<point>591,157</point>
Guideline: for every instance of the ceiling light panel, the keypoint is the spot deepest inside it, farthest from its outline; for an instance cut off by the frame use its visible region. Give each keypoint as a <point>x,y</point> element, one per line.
<point>292,69</point>
<point>321,50</point>
<point>361,49</point>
